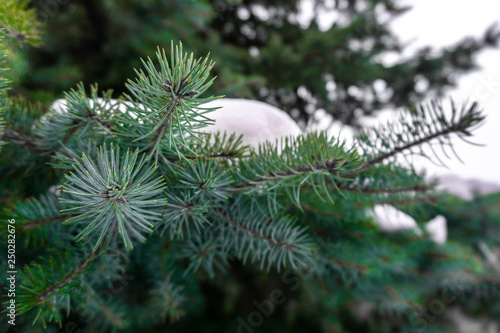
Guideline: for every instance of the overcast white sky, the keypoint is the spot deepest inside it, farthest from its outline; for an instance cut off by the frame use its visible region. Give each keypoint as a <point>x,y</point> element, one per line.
<point>442,23</point>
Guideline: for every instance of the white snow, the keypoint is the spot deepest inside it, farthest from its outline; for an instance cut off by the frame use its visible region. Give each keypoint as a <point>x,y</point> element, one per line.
<point>392,220</point>
<point>257,121</point>
<point>60,106</point>
<point>437,229</point>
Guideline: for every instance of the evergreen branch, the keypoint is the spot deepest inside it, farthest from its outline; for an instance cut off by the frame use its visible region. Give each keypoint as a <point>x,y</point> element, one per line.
<point>160,132</point>
<point>22,115</point>
<point>419,126</point>
<point>379,158</point>
<point>222,154</point>
<point>169,106</point>
<point>275,241</point>
<point>254,233</point>
<point>202,184</point>
<point>73,273</point>
<point>20,22</point>
<point>217,203</point>
<point>113,191</point>
<point>71,132</point>
<point>404,189</point>
<point>36,214</point>
<point>205,250</point>
<point>36,278</point>
<point>103,123</point>
<point>312,159</point>
<point>430,198</point>
<point>24,140</point>
<point>322,212</point>
<point>357,267</point>
<point>65,157</point>
<point>206,180</point>
<point>219,146</point>
<point>36,223</point>
<point>21,37</point>
<point>82,114</point>
<point>331,166</point>
<point>167,299</point>
<point>183,212</point>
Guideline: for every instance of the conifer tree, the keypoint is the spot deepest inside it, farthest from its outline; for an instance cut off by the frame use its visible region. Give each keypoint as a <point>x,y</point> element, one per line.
<point>124,219</point>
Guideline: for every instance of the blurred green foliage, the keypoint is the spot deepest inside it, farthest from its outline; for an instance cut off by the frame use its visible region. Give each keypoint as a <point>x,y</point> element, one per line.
<point>265,50</point>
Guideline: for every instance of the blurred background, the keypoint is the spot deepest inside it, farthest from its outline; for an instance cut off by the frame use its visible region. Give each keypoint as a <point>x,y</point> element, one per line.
<point>338,65</point>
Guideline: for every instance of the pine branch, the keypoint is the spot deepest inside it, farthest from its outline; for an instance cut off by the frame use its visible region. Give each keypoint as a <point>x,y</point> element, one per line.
<point>350,265</point>
<point>160,132</point>
<point>206,180</point>
<point>19,22</point>
<point>113,190</point>
<point>169,103</point>
<point>205,250</point>
<point>86,116</point>
<point>184,212</point>
<point>254,233</point>
<point>379,158</point>
<point>309,160</point>
<point>220,205</point>
<point>71,132</point>
<point>366,190</point>
<point>222,154</point>
<point>103,123</point>
<point>28,225</point>
<point>331,166</point>
<point>166,300</point>
<point>75,272</point>
<point>271,241</point>
<point>430,198</point>
<point>22,38</point>
<point>219,146</point>
<point>419,126</point>
<point>22,116</point>
<point>24,140</point>
<point>322,212</point>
